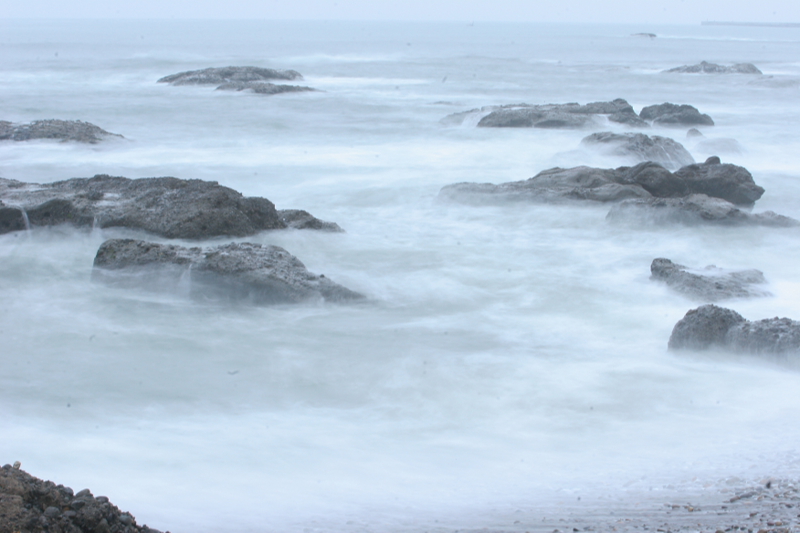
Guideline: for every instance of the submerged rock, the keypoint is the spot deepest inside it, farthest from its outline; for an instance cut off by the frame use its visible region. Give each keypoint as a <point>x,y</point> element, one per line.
<point>712,68</point>
<point>238,272</point>
<point>221,75</point>
<point>662,150</point>
<point>63,130</point>
<point>31,504</point>
<point>668,114</point>
<point>710,326</point>
<point>261,87</point>
<point>170,207</point>
<point>710,284</point>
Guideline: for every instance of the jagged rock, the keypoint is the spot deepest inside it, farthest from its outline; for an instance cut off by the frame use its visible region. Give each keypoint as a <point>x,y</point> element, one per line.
<point>710,284</point>
<point>710,326</point>
<point>712,68</point>
<point>31,504</point>
<point>221,75</point>
<point>238,272</point>
<point>570,115</point>
<point>667,114</point>
<point>663,150</point>
<point>692,210</point>
<point>261,87</point>
<point>170,207</point>
<point>63,130</point>
<point>641,182</point>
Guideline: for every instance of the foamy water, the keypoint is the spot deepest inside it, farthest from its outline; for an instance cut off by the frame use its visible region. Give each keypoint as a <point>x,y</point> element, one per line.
<point>507,357</point>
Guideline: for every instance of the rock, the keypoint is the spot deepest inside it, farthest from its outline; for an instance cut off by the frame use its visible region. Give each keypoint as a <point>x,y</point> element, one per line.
<point>710,326</point>
<point>219,76</point>
<point>648,35</point>
<point>667,114</point>
<point>710,284</point>
<point>238,272</point>
<point>712,68</point>
<point>640,183</point>
<point>299,219</point>
<point>260,87</point>
<point>30,504</point>
<point>570,115</point>
<point>663,150</point>
<point>63,130</point>
<point>693,133</point>
<point>170,207</point>
<point>693,210</point>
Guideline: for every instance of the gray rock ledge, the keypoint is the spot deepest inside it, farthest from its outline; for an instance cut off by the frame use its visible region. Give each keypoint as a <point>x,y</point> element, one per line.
<point>261,87</point>
<point>232,273</point>
<point>710,326</point>
<point>668,114</point>
<point>712,68</point>
<point>662,150</point>
<point>710,284</point>
<point>220,75</point>
<point>62,130</point>
<point>169,207</point>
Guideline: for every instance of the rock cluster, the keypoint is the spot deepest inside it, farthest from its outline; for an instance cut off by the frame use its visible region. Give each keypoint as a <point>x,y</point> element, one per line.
<point>237,272</point>
<point>710,284</point>
<point>169,207</point>
<point>63,130</point>
<point>712,68</point>
<point>662,150</point>
<point>253,79</point>
<point>710,326</point>
<point>30,504</point>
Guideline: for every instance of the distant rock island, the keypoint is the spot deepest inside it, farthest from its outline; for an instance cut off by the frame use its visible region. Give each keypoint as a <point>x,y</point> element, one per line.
<point>712,68</point>
<point>252,79</point>
<point>62,130</point>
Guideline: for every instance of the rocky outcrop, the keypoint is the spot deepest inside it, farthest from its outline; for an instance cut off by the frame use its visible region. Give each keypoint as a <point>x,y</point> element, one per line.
<point>549,116</point>
<point>712,68</point>
<point>261,87</point>
<point>710,284</point>
<point>238,272</point>
<point>62,130</point>
<point>710,326</point>
<point>30,504</point>
<point>667,114</point>
<point>643,182</point>
<point>221,75</point>
<point>662,150</point>
<point>170,207</point>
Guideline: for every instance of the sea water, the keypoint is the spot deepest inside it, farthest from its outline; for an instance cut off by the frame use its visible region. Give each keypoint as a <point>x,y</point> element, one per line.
<point>508,357</point>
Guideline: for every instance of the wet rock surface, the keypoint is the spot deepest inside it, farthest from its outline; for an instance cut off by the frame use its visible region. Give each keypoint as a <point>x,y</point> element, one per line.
<point>170,207</point>
<point>712,68</point>
<point>62,130</point>
<point>238,272</point>
<point>261,87</point>
<point>221,75</point>
<point>709,284</point>
<point>668,114</point>
<point>29,504</point>
<point>662,150</point>
<point>710,326</point>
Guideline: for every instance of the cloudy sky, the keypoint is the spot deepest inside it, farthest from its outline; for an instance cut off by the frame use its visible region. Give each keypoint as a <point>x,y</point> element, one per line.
<point>649,11</point>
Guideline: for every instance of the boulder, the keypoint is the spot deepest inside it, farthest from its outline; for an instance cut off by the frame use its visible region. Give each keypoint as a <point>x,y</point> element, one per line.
<point>261,87</point>
<point>694,133</point>
<point>221,75</point>
<point>663,150</point>
<point>712,68</point>
<point>63,130</point>
<point>667,114</point>
<point>710,284</point>
<point>237,272</point>
<point>31,504</point>
<point>170,207</point>
<point>721,180</point>
<point>710,326</point>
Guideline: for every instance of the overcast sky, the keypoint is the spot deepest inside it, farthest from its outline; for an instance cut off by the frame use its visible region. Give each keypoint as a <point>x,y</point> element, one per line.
<point>637,11</point>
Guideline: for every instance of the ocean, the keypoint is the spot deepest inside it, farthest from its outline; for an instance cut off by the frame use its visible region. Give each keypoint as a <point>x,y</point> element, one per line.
<point>509,358</point>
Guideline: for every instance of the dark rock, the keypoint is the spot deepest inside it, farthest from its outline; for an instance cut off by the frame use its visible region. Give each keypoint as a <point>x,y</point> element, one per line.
<point>726,181</point>
<point>710,284</point>
<point>692,210</point>
<point>299,219</point>
<point>219,76</point>
<point>648,35</point>
<point>663,150</point>
<point>667,114</point>
<point>63,130</point>
<point>710,326</point>
<point>170,207</point>
<point>712,68</point>
<point>694,132</point>
<point>260,87</point>
<point>239,272</point>
<point>30,504</point>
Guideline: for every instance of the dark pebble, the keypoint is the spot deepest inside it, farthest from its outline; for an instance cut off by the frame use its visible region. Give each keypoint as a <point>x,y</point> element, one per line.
<point>102,499</point>
<point>84,492</point>
<point>52,512</point>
